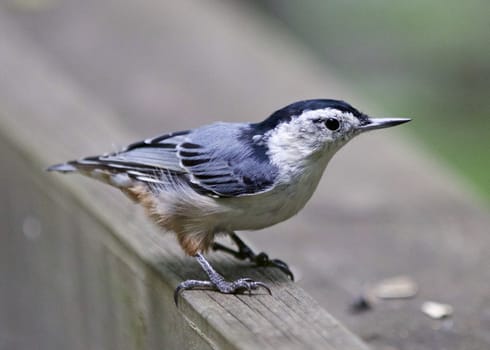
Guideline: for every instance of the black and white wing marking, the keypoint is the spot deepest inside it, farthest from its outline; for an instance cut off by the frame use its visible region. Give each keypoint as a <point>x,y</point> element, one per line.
<point>156,153</point>
<point>222,161</point>
<point>145,161</point>
<point>219,160</point>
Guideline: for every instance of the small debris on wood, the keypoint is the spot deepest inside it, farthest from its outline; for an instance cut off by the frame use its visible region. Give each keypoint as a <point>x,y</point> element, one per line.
<point>400,287</point>
<point>436,310</point>
<point>361,304</point>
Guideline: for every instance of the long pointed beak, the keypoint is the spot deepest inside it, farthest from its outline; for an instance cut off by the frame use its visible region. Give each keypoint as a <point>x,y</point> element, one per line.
<point>380,123</point>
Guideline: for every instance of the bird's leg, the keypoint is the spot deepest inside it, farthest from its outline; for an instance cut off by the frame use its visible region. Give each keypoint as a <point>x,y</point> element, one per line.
<point>245,252</point>
<point>217,282</point>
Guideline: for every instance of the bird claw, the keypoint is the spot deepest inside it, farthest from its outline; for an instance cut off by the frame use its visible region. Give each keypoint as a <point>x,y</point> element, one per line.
<point>246,284</point>
<point>235,287</point>
<point>244,252</point>
<point>262,259</point>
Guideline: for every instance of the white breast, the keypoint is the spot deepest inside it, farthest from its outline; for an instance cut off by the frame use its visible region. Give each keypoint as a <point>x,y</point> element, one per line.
<point>289,196</point>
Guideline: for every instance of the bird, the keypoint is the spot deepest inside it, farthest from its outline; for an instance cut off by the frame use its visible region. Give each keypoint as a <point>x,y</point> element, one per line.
<point>226,177</point>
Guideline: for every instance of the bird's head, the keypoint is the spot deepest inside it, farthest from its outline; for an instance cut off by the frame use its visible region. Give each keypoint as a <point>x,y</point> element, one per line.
<point>315,127</point>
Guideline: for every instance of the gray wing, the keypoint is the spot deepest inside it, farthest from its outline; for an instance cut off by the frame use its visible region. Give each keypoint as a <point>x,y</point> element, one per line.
<point>219,160</point>
<point>223,160</point>
<point>150,155</point>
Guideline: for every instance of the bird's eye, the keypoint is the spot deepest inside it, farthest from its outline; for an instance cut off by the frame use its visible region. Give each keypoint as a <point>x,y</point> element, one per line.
<point>332,124</point>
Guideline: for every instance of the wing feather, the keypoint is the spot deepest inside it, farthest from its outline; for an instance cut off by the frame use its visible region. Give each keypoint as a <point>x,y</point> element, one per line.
<point>218,160</point>
<point>223,163</point>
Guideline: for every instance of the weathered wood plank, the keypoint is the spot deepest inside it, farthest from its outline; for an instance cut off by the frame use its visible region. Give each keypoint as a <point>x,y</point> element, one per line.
<point>99,275</point>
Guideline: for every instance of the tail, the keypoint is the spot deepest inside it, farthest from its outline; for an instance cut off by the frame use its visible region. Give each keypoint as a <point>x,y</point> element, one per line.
<point>97,169</point>
<point>152,166</point>
<point>90,166</point>
<point>64,168</point>
<point>84,166</point>
<point>112,172</point>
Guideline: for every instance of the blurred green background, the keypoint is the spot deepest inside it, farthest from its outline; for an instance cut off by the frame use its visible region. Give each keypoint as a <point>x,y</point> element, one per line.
<point>426,59</point>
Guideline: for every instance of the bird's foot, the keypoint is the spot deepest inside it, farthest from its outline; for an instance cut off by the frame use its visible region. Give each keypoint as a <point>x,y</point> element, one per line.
<point>246,253</point>
<point>240,286</point>
<point>218,283</point>
<point>262,259</point>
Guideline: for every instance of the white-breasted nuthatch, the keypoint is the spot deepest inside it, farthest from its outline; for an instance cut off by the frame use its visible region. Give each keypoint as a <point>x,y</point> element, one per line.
<point>227,177</point>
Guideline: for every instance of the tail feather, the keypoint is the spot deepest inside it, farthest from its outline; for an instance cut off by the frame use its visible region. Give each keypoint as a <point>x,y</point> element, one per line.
<point>89,166</point>
<point>117,174</point>
<point>83,165</point>
<point>95,169</point>
<point>62,168</point>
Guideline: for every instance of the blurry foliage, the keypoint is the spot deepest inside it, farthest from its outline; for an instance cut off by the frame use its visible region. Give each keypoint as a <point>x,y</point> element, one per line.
<point>426,59</point>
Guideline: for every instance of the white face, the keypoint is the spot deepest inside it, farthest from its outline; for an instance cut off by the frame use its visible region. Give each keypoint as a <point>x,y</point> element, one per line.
<point>314,132</point>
